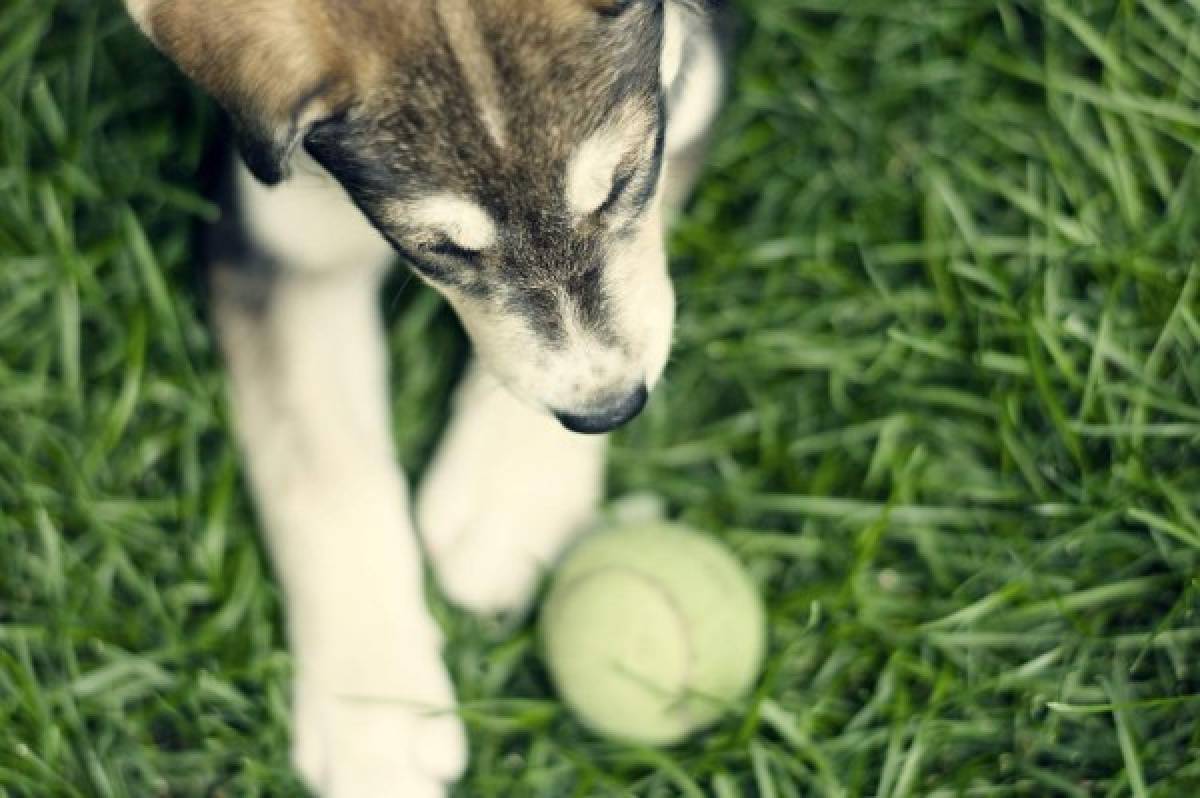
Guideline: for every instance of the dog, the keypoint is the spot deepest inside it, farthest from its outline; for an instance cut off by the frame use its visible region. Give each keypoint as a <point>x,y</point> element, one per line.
<point>522,157</point>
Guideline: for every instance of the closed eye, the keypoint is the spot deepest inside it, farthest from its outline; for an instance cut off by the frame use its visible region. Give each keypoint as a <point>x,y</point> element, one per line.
<point>447,248</point>
<point>432,260</point>
<point>444,230</point>
<point>620,186</point>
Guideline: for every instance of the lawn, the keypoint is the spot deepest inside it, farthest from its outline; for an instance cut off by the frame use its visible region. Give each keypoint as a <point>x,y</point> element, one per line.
<point>936,381</point>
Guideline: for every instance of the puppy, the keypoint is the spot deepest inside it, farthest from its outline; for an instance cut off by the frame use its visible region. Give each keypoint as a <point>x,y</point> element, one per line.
<point>521,156</point>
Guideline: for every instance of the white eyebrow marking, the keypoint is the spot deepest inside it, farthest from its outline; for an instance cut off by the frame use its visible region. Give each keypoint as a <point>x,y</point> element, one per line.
<point>462,221</point>
<point>591,170</point>
<point>471,52</point>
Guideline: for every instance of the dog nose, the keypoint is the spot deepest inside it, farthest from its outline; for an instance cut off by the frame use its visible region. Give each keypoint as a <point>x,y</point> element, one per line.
<point>608,417</point>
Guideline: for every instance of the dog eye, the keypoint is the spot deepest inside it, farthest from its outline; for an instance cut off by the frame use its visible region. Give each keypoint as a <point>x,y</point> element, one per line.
<point>433,260</point>
<point>448,249</point>
<point>620,185</point>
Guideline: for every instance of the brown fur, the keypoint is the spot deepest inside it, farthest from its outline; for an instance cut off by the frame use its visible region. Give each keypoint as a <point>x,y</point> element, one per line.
<point>254,56</point>
<point>262,57</point>
<point>272,63</point>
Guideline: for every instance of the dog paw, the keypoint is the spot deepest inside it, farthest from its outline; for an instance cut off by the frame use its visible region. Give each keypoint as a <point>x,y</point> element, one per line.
<point>508,489</point>
<point>360,738</point>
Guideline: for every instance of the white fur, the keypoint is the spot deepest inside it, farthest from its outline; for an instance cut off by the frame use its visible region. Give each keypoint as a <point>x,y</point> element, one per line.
<point>308,221</point>
<point>309,394</point>
<point>508,489</point>
<point>140,11</point>
<point>674,39</point>
<point>461,220</point>
<point>643,298</point>
<point>700,84</point>
<point>591,169</point>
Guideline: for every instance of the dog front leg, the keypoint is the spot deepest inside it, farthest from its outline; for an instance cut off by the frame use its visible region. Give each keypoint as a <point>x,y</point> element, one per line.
<point>373,704</point>
<point>508,489</point>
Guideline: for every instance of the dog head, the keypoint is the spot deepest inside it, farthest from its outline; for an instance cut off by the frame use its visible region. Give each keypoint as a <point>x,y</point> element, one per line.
<point>511,150</point>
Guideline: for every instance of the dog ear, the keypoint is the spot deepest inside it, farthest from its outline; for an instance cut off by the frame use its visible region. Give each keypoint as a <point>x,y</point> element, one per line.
<point>268,62</point>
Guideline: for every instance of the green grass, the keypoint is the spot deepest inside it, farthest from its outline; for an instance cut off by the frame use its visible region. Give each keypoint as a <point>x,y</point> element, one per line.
<point>937,381</point>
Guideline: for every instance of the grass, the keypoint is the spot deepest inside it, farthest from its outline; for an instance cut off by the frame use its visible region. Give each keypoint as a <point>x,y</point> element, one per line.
<point>937,381</point>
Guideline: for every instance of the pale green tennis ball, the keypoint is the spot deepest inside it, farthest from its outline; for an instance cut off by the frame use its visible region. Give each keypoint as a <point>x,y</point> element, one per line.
<point>651,631</point>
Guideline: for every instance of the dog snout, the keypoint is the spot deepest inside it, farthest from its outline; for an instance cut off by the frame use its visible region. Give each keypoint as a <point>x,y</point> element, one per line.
<point>605,416</point>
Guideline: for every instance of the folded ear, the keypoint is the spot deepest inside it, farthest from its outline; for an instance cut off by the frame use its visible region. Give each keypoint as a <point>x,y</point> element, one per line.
<point>270,63</point>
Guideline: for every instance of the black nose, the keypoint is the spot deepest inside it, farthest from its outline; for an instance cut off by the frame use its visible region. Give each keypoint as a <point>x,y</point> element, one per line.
<point>608,417</point>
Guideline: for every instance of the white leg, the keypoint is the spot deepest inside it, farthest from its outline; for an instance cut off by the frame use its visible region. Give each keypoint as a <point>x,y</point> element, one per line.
<point>373,702</point>
<point>508,489</point>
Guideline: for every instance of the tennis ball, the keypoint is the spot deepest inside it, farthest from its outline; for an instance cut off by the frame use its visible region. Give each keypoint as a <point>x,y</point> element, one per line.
<point>651,630</point>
